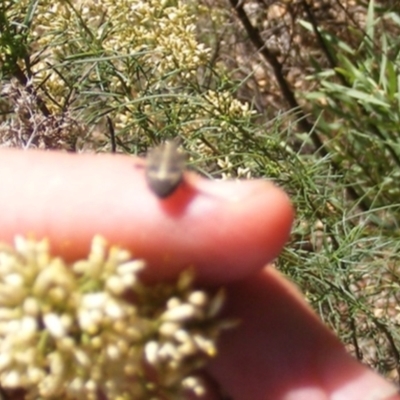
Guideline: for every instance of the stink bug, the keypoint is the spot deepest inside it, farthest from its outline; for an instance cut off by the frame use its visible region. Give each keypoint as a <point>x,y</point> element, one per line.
<point>165,165</point>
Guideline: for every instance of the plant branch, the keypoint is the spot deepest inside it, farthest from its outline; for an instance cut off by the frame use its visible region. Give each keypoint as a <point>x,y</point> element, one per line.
<point>303,122</point>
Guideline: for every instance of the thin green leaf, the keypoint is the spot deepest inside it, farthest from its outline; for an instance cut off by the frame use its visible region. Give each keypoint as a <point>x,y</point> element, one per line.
<point>370,20</point>
<point>394,17</point>
<point>349,69</point>
<point>383,66</point>
<point>356,94</point>
<point>398,91</point>
<point>30,13</point>
<point>392,87</point>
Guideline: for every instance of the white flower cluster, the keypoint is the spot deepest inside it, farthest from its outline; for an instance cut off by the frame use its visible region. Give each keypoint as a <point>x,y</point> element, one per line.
<point>92,328</point>
<point>145,55</point>
<point>229,171</point>
<point>223,103</point>
<point>156,34</point>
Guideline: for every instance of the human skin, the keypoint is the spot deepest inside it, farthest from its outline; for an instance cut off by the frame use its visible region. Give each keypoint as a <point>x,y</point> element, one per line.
<point>228,231</point>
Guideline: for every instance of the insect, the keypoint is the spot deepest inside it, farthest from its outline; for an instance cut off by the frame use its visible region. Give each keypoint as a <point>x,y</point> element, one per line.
<point>165,166</point>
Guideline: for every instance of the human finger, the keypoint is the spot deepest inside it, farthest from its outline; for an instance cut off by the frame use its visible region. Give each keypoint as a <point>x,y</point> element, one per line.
<point>225,230</point>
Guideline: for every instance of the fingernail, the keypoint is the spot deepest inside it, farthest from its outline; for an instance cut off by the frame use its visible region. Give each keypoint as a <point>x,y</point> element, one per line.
<point>231,190</point>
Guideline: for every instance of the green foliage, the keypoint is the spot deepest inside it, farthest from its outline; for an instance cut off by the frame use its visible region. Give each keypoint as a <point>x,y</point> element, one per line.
<point>353,279</point>
<point>359,109</point>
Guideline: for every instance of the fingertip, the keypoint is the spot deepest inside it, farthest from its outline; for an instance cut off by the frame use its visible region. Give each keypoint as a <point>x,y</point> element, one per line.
<point>249,224</point>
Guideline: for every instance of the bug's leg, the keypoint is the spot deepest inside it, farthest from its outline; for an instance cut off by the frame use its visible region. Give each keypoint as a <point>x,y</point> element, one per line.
<point>112,135</point>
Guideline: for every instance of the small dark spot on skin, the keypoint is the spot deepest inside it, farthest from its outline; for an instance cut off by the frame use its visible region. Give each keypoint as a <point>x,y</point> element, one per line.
<point>165,166</point>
